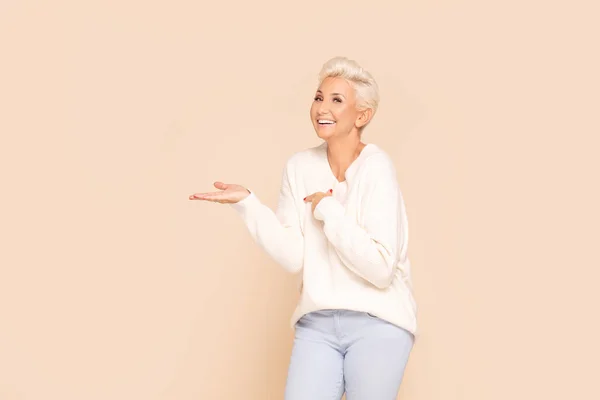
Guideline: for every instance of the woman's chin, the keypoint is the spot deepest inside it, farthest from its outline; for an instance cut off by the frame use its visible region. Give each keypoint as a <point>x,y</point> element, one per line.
<point>324,133</point>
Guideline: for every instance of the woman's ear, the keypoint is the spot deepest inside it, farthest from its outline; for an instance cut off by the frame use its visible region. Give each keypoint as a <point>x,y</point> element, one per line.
<point>364,117</point>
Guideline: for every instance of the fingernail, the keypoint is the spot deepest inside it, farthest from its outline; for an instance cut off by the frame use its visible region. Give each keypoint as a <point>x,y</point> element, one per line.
<point>304,199</point>
<point>330,190</point>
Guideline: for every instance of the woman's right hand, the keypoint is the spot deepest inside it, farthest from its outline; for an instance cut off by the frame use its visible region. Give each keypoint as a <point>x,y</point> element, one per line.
<point>229,193</point>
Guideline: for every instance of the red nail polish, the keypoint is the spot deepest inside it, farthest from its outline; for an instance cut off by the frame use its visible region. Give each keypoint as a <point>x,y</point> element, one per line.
<point>330,190</point>
<point>305,199</point>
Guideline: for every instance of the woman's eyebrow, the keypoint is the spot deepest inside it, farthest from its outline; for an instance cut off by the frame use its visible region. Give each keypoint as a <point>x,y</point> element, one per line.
<point>333,94</point>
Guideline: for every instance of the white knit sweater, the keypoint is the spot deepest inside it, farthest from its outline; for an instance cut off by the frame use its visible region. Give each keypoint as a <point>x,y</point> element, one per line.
<point>352,253</point>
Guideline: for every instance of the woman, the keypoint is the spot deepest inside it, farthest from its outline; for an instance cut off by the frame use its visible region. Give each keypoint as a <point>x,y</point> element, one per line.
<point>341,224</point>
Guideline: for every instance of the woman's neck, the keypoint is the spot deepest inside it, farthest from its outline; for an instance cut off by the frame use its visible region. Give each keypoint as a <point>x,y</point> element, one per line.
<point>341,154</point>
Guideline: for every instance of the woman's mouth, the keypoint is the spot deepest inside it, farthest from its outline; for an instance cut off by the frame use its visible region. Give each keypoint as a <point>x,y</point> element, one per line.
<point>325,122</point>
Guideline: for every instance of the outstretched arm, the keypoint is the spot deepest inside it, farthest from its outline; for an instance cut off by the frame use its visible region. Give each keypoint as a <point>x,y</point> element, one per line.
<point>279,232</point>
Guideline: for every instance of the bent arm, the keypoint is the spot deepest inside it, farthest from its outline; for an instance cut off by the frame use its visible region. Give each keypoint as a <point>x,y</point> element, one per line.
<point>278,233</point>
<point>370,249</point>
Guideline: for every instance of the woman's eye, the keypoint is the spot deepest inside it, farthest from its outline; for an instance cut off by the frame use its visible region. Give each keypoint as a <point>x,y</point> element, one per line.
<point>317,98</point>
<point>338,100</point>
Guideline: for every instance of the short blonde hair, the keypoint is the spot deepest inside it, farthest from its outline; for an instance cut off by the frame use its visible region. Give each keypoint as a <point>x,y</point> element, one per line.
<point>365,87</point>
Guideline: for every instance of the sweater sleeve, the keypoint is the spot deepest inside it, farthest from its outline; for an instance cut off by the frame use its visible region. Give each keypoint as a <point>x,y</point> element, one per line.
<point>369,248</point>
<point>278,233</point>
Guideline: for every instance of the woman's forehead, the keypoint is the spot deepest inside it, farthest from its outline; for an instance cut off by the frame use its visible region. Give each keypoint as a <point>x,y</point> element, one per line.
<point>335,84</point>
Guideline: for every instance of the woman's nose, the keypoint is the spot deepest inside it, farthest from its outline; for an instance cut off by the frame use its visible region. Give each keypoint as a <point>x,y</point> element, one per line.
<point>323,108</point>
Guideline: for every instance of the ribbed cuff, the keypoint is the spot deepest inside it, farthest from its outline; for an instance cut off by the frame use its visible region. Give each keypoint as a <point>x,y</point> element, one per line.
<point>329,208</point>
<point>249,202</point>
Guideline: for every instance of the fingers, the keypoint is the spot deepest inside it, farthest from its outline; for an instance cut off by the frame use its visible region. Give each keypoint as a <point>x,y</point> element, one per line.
<point>212,196</point>
<point>311,197</point>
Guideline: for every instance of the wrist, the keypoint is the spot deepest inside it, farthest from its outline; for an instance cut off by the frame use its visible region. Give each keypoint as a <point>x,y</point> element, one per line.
<point>328,207</point>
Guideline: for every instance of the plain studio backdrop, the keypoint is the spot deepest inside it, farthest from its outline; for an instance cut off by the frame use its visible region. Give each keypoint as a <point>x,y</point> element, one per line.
<point>113,285</point>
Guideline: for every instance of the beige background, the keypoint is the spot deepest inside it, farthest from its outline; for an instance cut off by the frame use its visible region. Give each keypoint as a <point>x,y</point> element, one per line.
<point>113,285</point>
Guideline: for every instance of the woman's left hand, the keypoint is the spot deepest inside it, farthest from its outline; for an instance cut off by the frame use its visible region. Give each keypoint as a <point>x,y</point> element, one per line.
<point>315,198</point>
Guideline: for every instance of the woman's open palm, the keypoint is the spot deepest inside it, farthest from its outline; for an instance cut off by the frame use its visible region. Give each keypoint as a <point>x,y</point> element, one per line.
<point>229,193</point>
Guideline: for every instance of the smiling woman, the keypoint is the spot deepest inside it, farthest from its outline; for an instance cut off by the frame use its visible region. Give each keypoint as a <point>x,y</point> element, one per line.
<point>347,94</point>
<point>341,223</point>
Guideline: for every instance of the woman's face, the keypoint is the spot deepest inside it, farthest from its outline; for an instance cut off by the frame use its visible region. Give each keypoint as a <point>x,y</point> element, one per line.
<point>333,111</point>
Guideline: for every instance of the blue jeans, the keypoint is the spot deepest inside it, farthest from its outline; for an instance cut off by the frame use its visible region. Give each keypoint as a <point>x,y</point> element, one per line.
<point>340,350</point>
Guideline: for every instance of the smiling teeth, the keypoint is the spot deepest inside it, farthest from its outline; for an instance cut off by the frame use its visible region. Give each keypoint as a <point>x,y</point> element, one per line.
<point>324,121</point>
